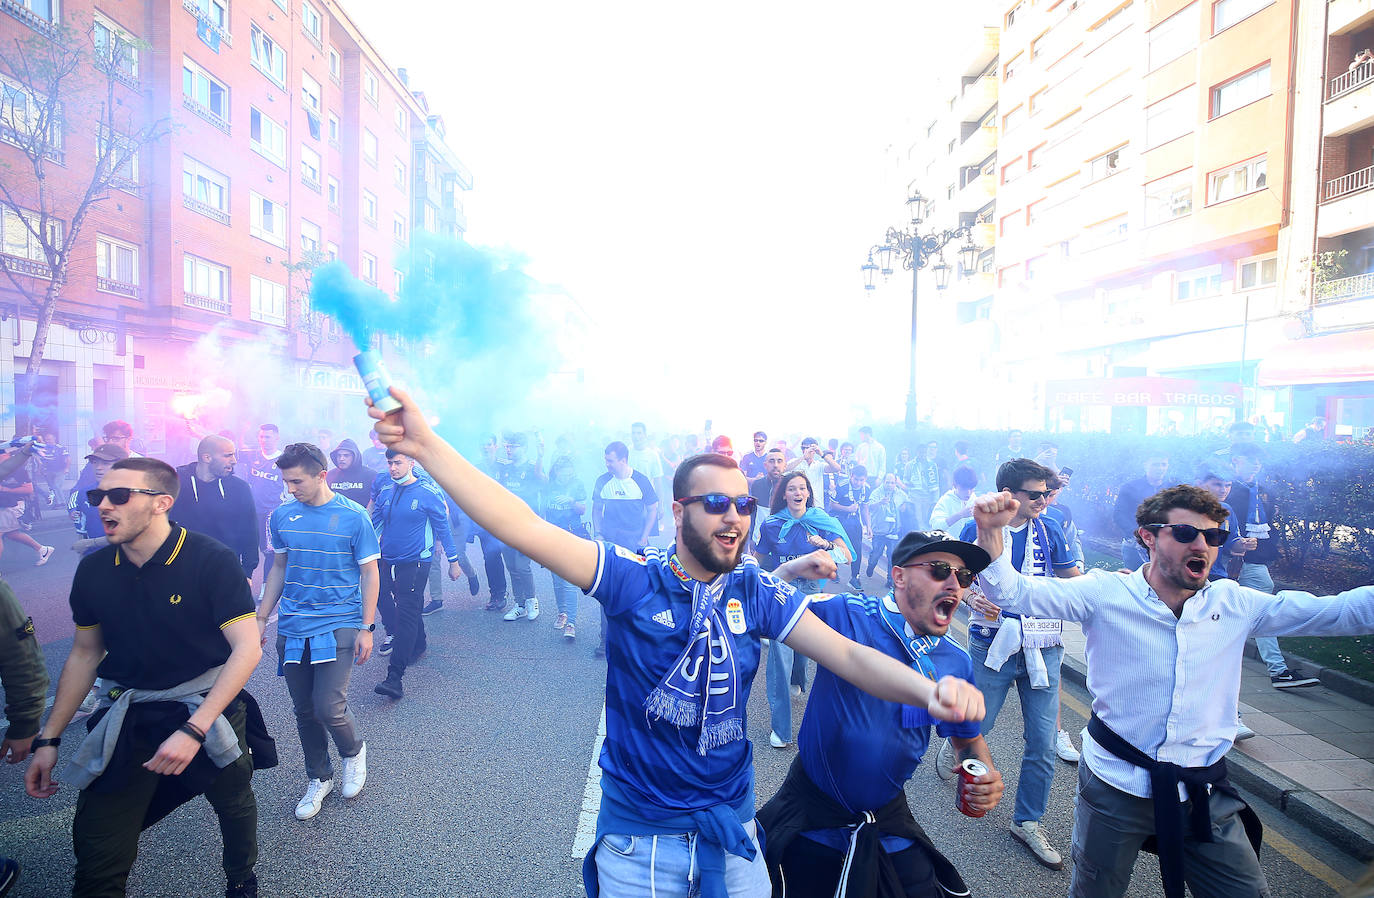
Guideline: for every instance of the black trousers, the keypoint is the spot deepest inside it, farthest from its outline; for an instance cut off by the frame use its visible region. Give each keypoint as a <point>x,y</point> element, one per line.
<point>812,870</point>
<point>403,595</point>
<point>495,565</point>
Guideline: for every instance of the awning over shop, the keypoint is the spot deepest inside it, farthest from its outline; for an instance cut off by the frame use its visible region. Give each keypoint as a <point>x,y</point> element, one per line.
<point>1329,359</point>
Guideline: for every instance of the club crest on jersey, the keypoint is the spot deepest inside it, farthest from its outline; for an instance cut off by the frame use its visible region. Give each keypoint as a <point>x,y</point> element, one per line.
<point>414,504</point>
<point>628,555</point>
<point>734,617</point>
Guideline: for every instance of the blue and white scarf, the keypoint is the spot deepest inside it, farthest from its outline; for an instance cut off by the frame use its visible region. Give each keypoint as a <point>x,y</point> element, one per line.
<point>702,686</point>
<point>917,648</point>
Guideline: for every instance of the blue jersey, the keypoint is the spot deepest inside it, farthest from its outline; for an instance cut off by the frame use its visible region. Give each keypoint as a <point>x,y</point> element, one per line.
<point>1236,528</point>
<point>773,549</point>
<point>648,607</point>
<point>409,518</point>
<point>325,547</point>
<point>856,748</point>
<point>1058,550</point>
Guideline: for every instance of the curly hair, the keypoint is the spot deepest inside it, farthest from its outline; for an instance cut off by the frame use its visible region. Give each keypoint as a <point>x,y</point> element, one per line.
<point>1156,508</point>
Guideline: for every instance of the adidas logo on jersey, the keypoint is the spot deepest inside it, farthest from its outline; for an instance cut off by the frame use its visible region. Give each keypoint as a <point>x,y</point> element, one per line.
<point>665,617</point>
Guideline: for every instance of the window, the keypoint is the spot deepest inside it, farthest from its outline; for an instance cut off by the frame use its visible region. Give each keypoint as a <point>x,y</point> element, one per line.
<point>1229,183</point>
<point>266,137</point>
<point>1034,157</point>
<point>1226,13</point>
<point>47,10</point>
<point>1012,66</point>
<point>333,193</point>
<point>399,118</point>
<point>16,238</point>
<point>22,109</point>
<point>398,227</point>
<point>1009,224</point>
<point>1037,47</point>
<point>399,279</point>
<point>1114,14</point>
<point>216,11</point>
<point>335,64</point>
<point>333,128</point>
<point>398,172</point>
<point>370,85</point>
<point>268,219</point>
<point>1170,118</point>
<point>1173,37</point>
<point>121,159</point>
<point>116,262</point>
<point>1106,165</point>
<point>1034,212</point>
<point>1169,198</point>
<point>267,301</point>
<point>1105,233</point>
<point>310,167</point>
<point>310,92</point>
<point>1012,170</point>
<point>310,236</point>
<point>203,89</point>
<point>310,21</point>
<point>370,147</point>
<point>332,251</point>
<point>202,184</point>
<point>370,268</point>
<point>1240,91</point>
<point>1198,282</point>
<point>114,46</point>
<point>1012,119</point>
<point>1260,272</point>
<point>204,278</point>
<point>267,56</point>
<point>1037,101</point>
<point>370,207</point>
<point>1010,17</point>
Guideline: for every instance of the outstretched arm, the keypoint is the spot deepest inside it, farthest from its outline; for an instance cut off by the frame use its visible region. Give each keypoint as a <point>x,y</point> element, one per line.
<point>1065,599</point>
<point>495,509</point>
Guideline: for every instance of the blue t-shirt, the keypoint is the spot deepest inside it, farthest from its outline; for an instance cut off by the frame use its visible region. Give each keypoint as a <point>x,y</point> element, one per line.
<point>1058,551</point>
<point>648,607</point>
<point>325,546</point>
<point>773,550</point>
<point>853,746</point>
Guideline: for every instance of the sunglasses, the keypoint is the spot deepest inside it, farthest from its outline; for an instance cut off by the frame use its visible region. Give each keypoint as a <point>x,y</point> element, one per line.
<point>940,571</point>
<point>1034,495</point>
<point>306,449</point>
<point>119,495</point>
<point>718,503</point>
<point>1186,533</point>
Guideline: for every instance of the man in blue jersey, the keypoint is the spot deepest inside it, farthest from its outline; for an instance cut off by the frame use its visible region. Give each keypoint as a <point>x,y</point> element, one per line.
<point>677,771</point>
<point>842,811</point>
<point>1007,649</point>
<point>411,519</point>
<point>325,575</point>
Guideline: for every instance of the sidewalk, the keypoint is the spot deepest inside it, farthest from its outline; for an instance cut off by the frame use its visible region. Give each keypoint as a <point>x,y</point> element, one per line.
<point>1313,753</point>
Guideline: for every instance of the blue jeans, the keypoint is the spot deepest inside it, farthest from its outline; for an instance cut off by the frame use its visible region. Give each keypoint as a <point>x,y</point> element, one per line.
<point>1039,710</point>
<point>1256,576</point>
<point>565,595</point>
<point>1132,556</point>
<point>779,682</point>
<point>641,866</point>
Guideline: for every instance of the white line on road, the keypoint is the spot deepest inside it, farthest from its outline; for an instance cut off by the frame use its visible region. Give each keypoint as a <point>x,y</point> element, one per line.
<point>591,797</point>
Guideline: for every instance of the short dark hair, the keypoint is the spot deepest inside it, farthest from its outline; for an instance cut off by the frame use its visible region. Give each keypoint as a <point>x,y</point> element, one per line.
<point>777,450</point>
<point>810,441</point>
<point>961,447</point>
<point>271,427</point>
<point>306,456</point>
<point>965,477</point>
<point>618,449</point>
<point>639,424</point>
<point>858,471</point>
<point>1213,469</point>
<point>1238,426</point>
<point>760,435</point>
<point>866,429</point>
<point>779,501</point>
<point>1248,450</point>
<point>161,475</point>
<point>394,453</point>
<point>1013,473</point>
<point>1156,508</point>
<point>122,428</point>
<point>683,475</point>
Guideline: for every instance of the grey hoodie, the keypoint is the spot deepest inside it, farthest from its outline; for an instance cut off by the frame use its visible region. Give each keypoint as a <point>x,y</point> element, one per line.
<point>355,481</point>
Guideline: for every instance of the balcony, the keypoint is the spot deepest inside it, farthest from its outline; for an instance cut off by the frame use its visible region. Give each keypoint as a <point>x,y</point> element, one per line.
<point>978,146</point>
<point>1345,16</point>
<point>1361,285</point>
<point>21,12</point>
<point>209,304</point>
<point>194,9</point>
<point>982,49</point>
<point>21,265</point>
<point>1350,101</point>
<point>205,209</point>
<point>105,285</point>
<point>985,235</point>
<point>976,194</point>
<point>206,113</point>
<point>976,99</point>
<point>1347,204</point>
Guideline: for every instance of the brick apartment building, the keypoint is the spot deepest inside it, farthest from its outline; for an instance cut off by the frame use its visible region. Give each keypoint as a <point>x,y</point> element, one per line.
<point>291,141</point>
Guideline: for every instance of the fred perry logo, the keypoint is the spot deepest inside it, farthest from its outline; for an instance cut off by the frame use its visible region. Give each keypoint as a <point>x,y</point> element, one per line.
<point>1216,617</point>
<point>175,599</point>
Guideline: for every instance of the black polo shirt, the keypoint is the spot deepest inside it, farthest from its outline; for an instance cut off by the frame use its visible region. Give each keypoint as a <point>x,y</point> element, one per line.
<point>162,623</point>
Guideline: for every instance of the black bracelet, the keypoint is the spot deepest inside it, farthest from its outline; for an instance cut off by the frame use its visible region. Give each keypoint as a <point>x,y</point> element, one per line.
<point>193,731</point>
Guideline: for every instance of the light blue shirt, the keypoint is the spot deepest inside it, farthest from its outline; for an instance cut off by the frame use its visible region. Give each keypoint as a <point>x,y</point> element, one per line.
<point>325,548</point>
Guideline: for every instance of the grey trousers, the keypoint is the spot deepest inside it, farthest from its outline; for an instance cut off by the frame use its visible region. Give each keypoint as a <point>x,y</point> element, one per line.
<point>1110,826</point>
<point>319,693</point>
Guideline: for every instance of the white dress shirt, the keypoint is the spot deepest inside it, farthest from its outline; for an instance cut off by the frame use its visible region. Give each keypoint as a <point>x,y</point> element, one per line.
<point>1169,686</point>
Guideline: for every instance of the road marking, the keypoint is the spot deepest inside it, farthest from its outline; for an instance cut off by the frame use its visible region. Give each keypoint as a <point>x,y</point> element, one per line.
<point>591,797</point>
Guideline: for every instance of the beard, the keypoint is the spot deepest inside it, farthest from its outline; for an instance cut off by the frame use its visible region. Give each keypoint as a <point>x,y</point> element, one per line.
<point>708,553</point>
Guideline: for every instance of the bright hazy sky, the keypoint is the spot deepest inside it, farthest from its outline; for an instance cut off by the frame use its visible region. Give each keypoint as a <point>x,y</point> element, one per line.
<point>704,180</point>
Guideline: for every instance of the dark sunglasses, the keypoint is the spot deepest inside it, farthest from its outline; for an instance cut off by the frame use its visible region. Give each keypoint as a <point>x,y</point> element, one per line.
<point>119,495</point>
<point>1186,533</point>
<point>718,503</point>
<point>940,571</point>
<point>1034,495</point>
<point>309,449</point>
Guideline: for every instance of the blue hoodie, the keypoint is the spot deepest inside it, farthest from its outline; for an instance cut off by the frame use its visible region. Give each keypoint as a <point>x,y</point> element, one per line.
<point>409,518</point>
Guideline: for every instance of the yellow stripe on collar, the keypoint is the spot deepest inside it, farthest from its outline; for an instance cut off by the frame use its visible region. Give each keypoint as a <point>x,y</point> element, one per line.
<point>175,551</point>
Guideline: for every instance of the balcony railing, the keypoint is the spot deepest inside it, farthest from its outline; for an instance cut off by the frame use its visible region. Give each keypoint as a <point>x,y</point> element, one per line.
<point>205,112</point>
<point>123,289</point>
<point>1345,82</point>
<point>28,143</point>
<point>21,12</point>
<point>1354,182</point>
<point>1346,288</point>
<point>209,304</point>
<point>194,9</point>
<point>21,265</point>
<point>205,209</point>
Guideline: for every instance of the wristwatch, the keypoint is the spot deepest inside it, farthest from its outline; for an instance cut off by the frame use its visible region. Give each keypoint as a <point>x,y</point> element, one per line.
<point>371,628</point>
<point>46,743</point>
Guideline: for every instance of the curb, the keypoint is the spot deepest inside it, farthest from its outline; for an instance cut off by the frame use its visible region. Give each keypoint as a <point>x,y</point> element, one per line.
<point>1320,815</point>
<point>1335,680</point>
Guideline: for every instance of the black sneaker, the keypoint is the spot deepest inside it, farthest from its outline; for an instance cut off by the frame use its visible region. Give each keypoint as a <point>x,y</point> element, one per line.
<point>855,585</point>
<point>390,687</point>
<point>385,647</point>
<point>9,874</point>
<point>433,606</point>
<point>497,604</point>
<point>1288,680</point>
<point>246,889</point>
<point>474,585</point>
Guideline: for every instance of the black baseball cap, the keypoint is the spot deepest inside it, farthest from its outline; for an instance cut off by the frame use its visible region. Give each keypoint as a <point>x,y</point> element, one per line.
<point>919,542</point>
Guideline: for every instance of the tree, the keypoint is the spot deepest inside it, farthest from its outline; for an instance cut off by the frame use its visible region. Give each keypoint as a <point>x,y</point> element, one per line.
<point>61,78</point>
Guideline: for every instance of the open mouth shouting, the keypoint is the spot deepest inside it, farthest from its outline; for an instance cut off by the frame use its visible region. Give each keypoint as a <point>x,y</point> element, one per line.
<point>1196,565</point>
<point>110,523</point>
<point>728,538</point>
<point>944,609</point>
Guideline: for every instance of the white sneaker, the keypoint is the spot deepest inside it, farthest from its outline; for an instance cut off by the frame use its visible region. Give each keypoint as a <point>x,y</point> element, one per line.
<point>561,621</point>
<point>1243,731</point>
<point>532,609</point>
<point>777,741</point>
<point>945,761</point>
<point>1063,746</point>
<point>516,612</point>
<point>354,773</point>
<point>1029,834</point>
<point>314,797</point>
<point>44,553</point>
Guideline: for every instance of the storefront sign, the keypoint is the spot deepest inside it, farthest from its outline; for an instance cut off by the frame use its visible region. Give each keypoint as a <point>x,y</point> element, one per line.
<point>150,380</point>
<point>332,380</point>
<point>1144,391</point>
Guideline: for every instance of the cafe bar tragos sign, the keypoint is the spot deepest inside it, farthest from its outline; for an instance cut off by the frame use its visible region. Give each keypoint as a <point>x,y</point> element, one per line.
<point>1144,391</point>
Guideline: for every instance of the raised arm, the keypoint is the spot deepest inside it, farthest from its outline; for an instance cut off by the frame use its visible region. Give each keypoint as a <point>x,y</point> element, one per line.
<point>1066,599</point>
<point>495,509</point>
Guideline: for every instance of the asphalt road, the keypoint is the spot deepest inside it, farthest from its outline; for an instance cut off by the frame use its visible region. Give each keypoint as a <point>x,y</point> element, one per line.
<point>476,780</point>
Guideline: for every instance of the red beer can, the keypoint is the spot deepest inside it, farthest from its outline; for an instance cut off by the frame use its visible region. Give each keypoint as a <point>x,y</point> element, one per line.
<point>967,771</point>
